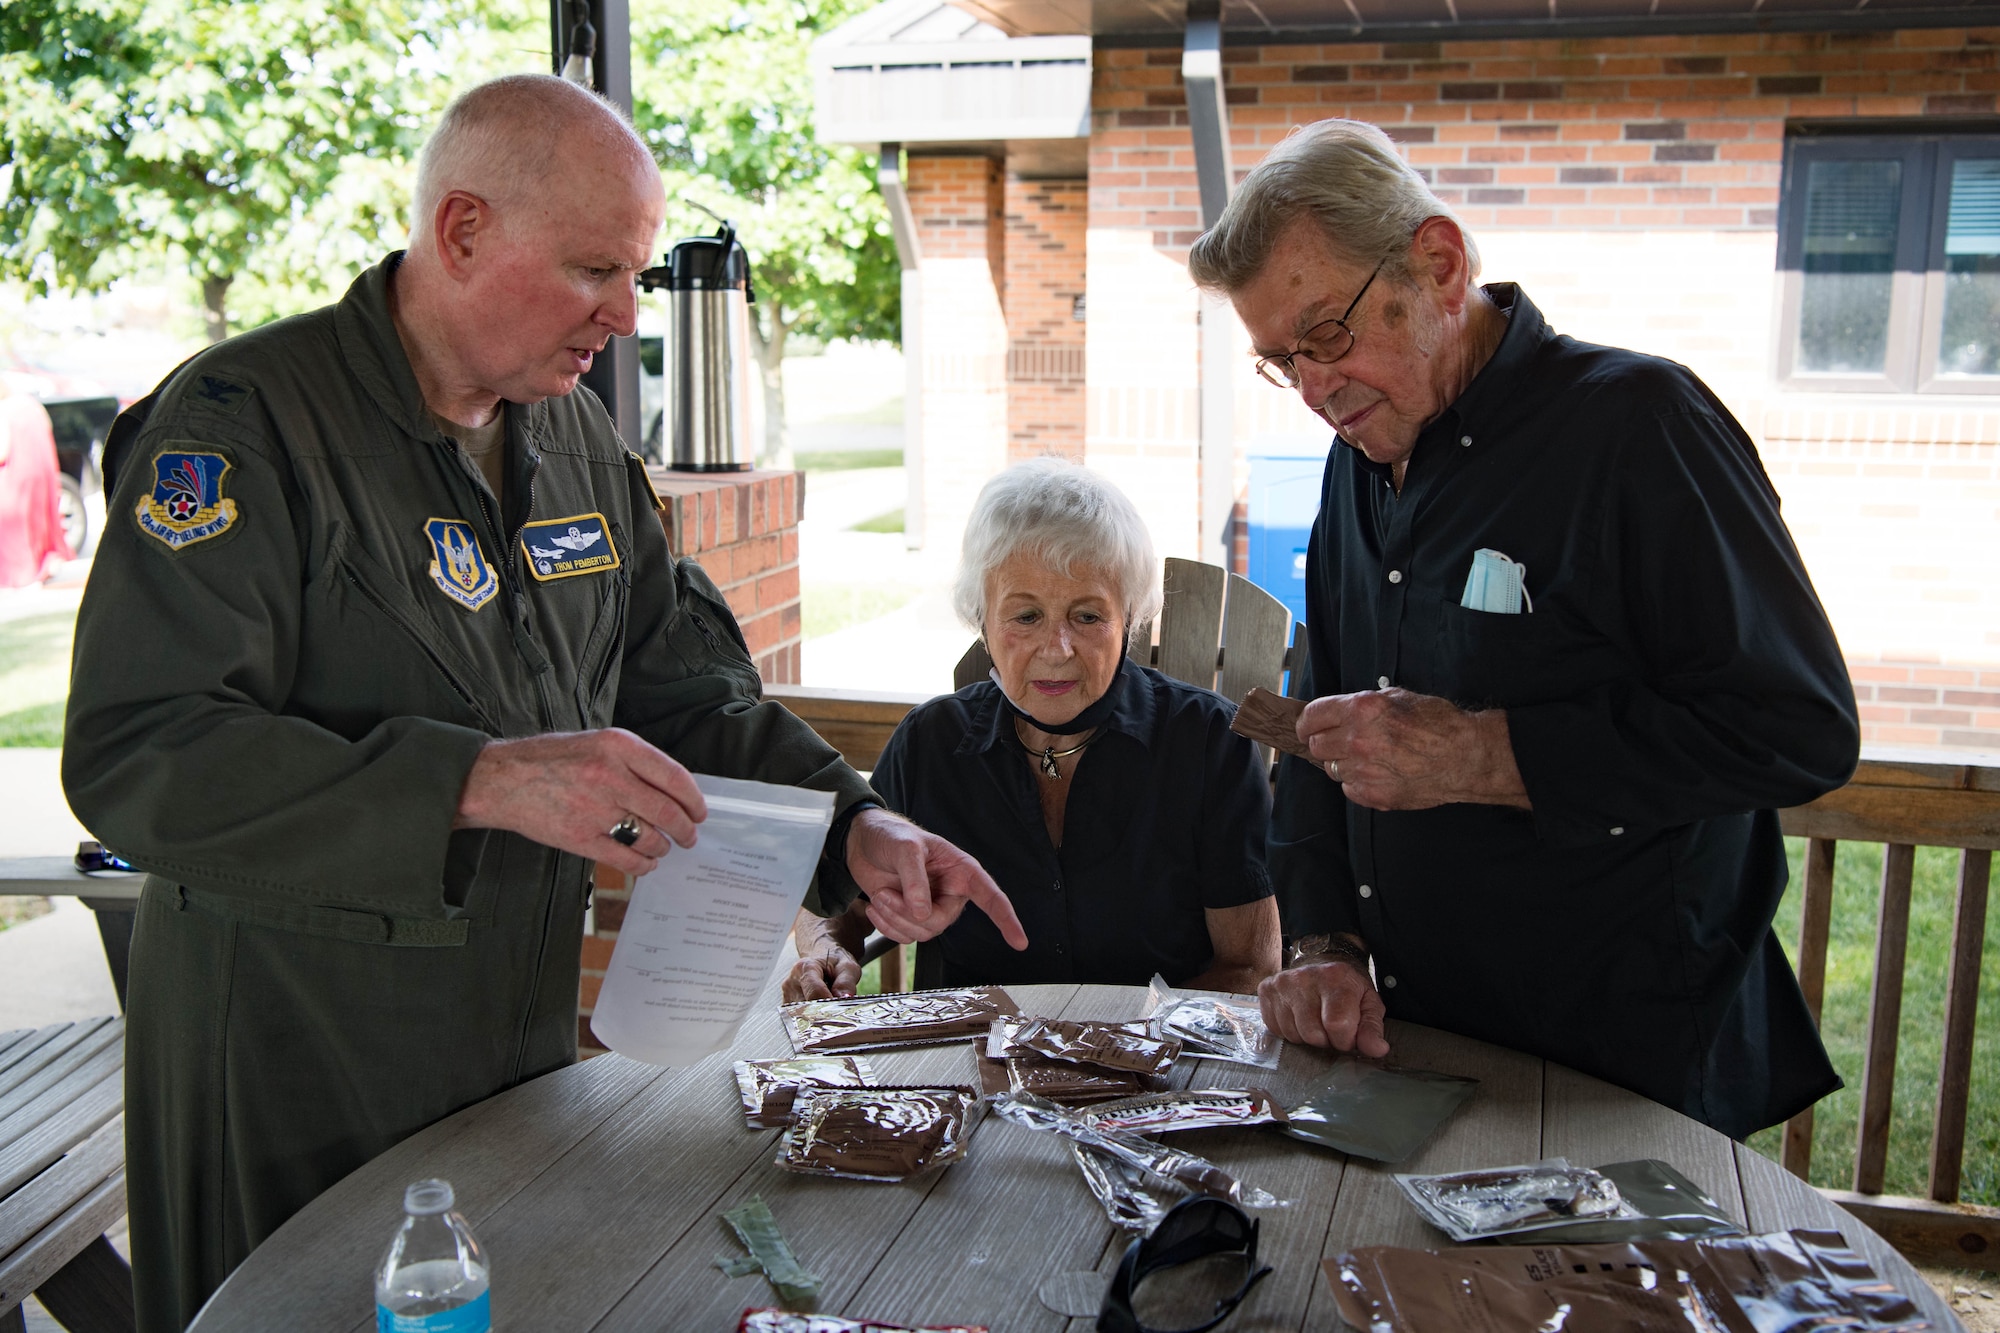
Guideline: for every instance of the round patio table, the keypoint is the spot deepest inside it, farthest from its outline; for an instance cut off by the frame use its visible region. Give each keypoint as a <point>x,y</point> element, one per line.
<point>597,1191</point>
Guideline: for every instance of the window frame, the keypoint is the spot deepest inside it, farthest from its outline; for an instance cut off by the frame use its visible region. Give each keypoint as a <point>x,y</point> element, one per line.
<point>1916,295</point>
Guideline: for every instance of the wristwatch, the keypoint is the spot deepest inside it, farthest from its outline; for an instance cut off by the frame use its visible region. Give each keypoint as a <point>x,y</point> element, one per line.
<point>1324,949</point>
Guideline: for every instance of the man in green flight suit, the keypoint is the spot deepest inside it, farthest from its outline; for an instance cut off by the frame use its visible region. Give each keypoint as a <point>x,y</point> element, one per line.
<point>366,746</point>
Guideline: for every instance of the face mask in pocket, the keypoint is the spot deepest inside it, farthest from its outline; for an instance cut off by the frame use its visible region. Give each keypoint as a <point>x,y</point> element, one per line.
<point>1497,583</point>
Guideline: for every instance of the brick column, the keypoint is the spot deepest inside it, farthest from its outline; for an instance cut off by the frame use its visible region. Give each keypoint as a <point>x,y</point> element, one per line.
<point>1045,272</point>
<point>743,529</point>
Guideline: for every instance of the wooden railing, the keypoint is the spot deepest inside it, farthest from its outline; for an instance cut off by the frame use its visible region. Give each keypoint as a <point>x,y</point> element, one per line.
<point>1895,797</point>
<point>1906,801</point>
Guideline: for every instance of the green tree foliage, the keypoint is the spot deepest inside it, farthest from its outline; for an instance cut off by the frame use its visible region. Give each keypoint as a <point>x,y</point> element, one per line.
<point>264,148</point>
<point>723,94</point>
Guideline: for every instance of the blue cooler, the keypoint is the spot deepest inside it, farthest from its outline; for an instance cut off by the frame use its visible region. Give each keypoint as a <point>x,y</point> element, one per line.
<point>1285,476</point>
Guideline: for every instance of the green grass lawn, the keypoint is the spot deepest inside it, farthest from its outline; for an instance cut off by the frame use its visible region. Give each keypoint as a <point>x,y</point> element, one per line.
<point>34,678</point>
<point>1850,968</point>
<point>847,460</point>
<point>826,607</point>
<point>889,522</point>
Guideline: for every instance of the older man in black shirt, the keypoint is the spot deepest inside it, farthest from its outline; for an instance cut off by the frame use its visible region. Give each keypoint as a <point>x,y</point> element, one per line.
<point>1565,664</point>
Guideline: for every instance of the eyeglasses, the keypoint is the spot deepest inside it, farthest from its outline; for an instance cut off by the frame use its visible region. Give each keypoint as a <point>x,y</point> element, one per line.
<point>1194,1228</point>
<point>1325,342</point>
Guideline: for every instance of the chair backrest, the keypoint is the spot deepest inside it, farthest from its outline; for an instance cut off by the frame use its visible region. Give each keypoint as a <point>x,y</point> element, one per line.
<point>1217,630</point>
<point>1905,804</point>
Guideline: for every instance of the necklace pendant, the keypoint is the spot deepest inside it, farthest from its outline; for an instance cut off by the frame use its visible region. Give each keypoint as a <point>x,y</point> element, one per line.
<point>1049,767</point>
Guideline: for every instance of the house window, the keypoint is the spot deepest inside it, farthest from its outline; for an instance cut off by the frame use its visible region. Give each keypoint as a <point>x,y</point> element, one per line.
<point>1889,250</point>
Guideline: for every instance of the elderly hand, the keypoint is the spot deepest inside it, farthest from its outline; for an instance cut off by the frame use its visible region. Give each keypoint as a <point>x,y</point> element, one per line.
<point>567,790</point>
<point>831,972</point>
<point>1325,1004</point>
<point>917,883</point>
<point>1395,750</point>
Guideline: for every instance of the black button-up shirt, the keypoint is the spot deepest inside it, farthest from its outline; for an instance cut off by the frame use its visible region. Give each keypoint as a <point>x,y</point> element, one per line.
<point>1167,817</point>
<point>1675,682</point>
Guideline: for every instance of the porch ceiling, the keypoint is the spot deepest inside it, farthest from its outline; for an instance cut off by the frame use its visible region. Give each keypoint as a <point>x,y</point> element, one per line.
<point>1163,22</point>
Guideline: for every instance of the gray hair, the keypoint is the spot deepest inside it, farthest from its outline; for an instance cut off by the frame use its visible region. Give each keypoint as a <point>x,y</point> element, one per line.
<point>1347,178</point>
<point>1068,516</point>
<point>503,138</point>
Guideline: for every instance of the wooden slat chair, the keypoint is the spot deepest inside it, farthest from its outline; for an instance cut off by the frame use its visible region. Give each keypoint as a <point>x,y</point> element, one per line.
<point>1905,803</point>
<point>62,1175</point>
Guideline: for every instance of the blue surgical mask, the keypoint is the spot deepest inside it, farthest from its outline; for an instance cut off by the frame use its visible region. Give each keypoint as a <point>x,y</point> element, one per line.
<point>1496,583</point>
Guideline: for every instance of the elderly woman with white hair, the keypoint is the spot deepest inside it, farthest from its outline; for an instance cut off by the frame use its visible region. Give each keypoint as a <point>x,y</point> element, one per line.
<point>1112,804</point>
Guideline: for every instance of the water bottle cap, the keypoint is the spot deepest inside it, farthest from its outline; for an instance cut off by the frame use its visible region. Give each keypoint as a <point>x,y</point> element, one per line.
<point>427,1198</point>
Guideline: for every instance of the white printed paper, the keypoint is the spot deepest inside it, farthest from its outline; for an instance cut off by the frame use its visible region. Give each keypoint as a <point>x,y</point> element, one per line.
<point>704,929</point>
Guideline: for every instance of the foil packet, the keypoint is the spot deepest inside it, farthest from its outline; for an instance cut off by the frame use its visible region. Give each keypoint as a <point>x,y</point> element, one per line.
<point>785,1321</point>
<point>883,1133</point>
<point>1514,1200</point>
<point>1670,1207</point>
<point>768,1087</point>
<point>1192,1108</point>
<point>1272,719</point>
<point>1140,1178</point>
<point>1122,1046</point>
<point>1784,1282</point>
<point>1382,1112</point>
<point>1061,1082</point>
<point>901,1018</point>
<point>1212,1027</point>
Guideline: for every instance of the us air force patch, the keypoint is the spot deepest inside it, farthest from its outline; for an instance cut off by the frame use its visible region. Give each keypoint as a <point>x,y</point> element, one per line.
<point>186,504</point>
<point>458,566</point>
<point>562,548</point>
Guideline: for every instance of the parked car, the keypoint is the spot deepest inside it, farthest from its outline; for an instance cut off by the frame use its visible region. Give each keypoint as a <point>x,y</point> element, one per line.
<point>81,425</point>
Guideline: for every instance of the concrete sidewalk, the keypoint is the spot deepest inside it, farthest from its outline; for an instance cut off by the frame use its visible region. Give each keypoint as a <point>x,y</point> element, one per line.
<point>52,968</point>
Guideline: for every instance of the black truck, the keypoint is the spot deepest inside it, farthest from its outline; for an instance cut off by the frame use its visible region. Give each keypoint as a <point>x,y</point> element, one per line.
<point>81,425</point>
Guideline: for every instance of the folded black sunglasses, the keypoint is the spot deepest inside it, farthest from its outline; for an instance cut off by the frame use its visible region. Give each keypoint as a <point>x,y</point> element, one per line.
<point>1194,1228</point>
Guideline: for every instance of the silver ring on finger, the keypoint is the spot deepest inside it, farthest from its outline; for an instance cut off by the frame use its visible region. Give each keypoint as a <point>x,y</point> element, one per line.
<point>626,831</point>
<point>1333,769</point>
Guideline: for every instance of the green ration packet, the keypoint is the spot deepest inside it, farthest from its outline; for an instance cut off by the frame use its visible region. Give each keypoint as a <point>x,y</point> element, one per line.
<point>758,1230</point>
<point>1375,1110</point>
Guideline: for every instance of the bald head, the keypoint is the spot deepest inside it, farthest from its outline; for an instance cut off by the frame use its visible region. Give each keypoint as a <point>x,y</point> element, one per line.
<point>516,139</point>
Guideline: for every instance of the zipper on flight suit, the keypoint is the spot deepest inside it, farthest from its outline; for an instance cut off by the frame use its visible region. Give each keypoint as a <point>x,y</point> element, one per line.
<point>417,636</point>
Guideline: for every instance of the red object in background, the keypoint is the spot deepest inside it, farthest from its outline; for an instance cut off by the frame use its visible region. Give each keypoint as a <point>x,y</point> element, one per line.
<point>31,531</point>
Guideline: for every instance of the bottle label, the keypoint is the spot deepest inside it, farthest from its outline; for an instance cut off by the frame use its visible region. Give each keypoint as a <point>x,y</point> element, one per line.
<point>475,1316</point>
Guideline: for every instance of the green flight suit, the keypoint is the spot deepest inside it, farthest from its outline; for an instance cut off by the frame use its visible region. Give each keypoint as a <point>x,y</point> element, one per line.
<point>305,619</point>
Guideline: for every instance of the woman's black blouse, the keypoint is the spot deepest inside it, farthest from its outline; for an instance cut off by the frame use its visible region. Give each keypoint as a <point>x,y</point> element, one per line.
<point>1168,817</point>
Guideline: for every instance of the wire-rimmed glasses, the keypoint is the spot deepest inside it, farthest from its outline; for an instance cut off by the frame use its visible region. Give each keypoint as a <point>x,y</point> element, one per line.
<point>1325,342</point>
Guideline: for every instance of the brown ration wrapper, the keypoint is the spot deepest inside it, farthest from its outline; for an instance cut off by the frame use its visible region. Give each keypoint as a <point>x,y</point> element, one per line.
<point>1122,1046</point>
<point>768,1086</point>
<point>1738,1284</point>
<point>889,1133</point>
<point>1272,719</point>
<point>902,1018</point>
<point>1062,1083</point>
<point>785,1321</point>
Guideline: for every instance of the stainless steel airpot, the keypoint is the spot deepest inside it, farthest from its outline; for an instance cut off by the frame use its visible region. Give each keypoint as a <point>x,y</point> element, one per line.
<point>714,408</point>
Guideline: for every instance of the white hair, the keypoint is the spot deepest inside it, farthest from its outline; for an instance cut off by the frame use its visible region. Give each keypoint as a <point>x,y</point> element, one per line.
<point>1065,515</point>
<point>508,136</point>
<point>1344,176</point>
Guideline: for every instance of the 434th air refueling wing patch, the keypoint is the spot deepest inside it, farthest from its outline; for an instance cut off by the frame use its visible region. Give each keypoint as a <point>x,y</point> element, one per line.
<point>458,565</point>
<point>562,548</point>
<point>186,504</point>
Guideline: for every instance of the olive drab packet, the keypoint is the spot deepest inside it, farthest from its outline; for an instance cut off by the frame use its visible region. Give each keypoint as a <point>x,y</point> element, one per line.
<point>1383,1112</point>
<point>1784,1281</point>
<point>1272,719</point>
<point>883,1134</point>
<point>1212,1027</point>
<point>768,1087</point>
<point>901,1018</point>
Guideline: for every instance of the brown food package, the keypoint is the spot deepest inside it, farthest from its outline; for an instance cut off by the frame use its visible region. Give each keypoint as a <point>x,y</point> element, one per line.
<point>889,1133</point>
<point>1738,1284</point>
<point>1062,1083</point>
<point>902,1018</point>
<point>1272,719</point>
<point>768,1087</point>
<point>1107,1045</point>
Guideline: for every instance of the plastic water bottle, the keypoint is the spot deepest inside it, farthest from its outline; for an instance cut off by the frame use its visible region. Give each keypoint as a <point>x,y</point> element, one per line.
<point>433,1279</point>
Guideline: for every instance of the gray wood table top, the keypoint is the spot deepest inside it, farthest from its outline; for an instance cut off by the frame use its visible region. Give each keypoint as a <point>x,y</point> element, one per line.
<point>597,1191</point>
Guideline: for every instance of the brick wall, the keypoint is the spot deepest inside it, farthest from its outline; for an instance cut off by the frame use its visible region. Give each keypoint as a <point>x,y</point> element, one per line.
<point>1044,282</point>
<point>743,529</point>
<point>1631,185</point>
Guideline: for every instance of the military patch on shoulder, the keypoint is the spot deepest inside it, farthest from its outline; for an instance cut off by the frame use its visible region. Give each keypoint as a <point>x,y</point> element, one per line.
<point>219,392</point>
<point>458,565</point>
<point>562,548</point>
<point>186,504</point>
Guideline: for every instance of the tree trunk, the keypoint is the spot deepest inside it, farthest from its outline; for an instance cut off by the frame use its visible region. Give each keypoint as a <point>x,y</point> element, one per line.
<point>215,307</point>
<point>776,450</point>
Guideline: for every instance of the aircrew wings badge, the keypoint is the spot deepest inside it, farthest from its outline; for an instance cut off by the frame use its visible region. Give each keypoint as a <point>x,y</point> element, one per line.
<point>186,504</point>
<point>562,548</point>
<point>458,565</point>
